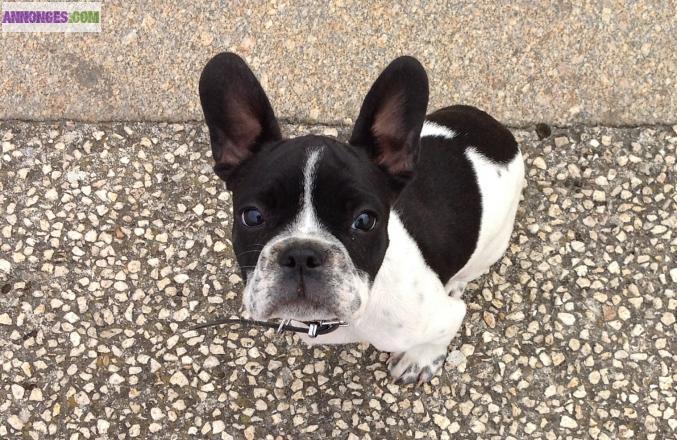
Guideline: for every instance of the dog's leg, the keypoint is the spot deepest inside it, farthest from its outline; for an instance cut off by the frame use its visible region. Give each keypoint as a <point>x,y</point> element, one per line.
<point>422,361</point>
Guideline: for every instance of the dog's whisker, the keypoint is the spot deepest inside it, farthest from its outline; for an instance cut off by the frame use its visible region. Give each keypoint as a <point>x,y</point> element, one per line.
<point>247,252</point>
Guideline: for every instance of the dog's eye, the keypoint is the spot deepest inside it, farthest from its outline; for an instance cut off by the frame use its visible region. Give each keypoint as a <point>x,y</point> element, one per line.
<point>365,221</point>
<point>252,217</point>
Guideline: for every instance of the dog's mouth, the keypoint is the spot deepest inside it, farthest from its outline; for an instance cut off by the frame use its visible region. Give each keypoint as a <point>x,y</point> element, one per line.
<point>304,294</point>
<point>302,309</point>
<point>304,305</point>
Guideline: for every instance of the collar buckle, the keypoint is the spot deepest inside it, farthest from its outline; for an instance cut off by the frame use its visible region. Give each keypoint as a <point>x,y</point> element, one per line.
<point>314,327</point>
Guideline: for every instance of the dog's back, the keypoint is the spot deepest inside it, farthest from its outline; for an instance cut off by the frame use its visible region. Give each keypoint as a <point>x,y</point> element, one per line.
<point>461,204</point>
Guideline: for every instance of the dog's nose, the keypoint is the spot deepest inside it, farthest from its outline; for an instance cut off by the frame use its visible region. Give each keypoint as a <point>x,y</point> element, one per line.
<point>301,257</point>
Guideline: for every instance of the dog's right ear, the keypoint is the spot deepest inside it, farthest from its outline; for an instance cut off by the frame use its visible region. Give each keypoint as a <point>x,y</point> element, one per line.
<point>390,121</point>
<point>237,111</point>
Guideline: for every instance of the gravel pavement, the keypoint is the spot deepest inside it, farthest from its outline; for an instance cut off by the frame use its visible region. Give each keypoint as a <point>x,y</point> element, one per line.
<point>114,240</point>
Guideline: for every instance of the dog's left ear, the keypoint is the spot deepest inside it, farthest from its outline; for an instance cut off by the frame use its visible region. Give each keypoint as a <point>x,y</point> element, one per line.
<point>392,114</point>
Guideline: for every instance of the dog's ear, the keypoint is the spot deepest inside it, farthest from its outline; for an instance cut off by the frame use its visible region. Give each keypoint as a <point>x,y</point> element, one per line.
<point>392,114</point>
<point>237,111</point>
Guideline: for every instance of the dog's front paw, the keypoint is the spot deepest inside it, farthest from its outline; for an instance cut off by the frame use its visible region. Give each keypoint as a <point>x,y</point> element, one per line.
<point>456,288</point>
<point>418,364</point>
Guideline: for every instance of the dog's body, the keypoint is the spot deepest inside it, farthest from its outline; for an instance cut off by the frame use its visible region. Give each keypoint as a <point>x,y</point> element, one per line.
<point>383,233</point>
<point>468,172</point>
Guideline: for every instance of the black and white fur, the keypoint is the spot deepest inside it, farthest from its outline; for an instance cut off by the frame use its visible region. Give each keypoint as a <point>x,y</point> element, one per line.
<point>443,191</point>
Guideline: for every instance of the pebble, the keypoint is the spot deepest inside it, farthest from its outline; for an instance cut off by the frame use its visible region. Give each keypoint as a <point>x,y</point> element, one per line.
<point>539,163</point>
<point>566,318</point>
<point>561,141</point>
<point>36,395</point>
<point>102,426</point>
<point>624,313</point>
<point>179,379</point>
<point>51,194</point>
<point>90,236</point>
<point>18,391</point>
<point>598,196</point>
<point>568,422</point>
<point>466,407</point>
<point>668,318</point>
<point>71,317</point>
<point>15,422</point>
<point>489,319</point>
<point>5,319</point>
<point>75,338</point>
<point>218,426</point>
<point>578,246</point>
<point>134,266</point>
<point>442,421</point>
<point>181,315</point>
<point>181,278</point>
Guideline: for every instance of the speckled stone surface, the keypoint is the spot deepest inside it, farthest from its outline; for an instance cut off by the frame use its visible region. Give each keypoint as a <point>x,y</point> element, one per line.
<point>114,240</point>
<point>596,62</point>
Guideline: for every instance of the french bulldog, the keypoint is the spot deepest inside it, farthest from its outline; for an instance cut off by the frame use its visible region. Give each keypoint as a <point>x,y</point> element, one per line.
<point>383,232</point>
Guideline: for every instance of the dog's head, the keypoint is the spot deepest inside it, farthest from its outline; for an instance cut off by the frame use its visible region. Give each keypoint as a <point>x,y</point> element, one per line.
<point>310,226</point>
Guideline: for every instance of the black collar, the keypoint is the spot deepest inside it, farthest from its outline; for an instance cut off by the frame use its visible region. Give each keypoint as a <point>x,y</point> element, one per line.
<point>312,329</point>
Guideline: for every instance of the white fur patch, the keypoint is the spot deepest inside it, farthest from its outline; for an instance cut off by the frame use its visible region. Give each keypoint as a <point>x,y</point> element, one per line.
<point>307,221</point>
<point>433,129</point>
<point>500,189</point>
<point>407,304</point>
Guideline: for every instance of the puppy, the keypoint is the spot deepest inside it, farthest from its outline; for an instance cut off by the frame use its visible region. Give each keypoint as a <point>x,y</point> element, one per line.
<point>383,232</point>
